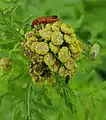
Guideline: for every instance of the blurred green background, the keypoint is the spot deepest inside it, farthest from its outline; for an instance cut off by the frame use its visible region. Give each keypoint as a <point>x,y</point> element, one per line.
<point>88,18</point>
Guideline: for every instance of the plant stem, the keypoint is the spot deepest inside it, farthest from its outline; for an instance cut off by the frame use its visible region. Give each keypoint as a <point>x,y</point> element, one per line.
<point>28,100</point>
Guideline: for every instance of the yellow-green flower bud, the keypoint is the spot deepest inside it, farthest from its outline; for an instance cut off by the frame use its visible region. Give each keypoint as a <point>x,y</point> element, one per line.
<point>76,56</point>
<point>73,49</point>
<point>33,39</point>
<point>49,59</point>
<point>63,71</point>
<point>55,66</point>
<point>35,32</point>
<point>5,63</point>
<point>50,80</point>
<point>68,39</point>
<point>30,41</point>
<point>48,27</point>
<point>54,48</point>
<point>57,38</point>
<point>38,69</point>
<point>39,58</point>
<point>27,52</point>
<point>64,54</point>
<point>67,29</point>
<point>40,48</point>
<point>70,64</point>
<point>76,47</point>
<point>45,34</point>
<point>72,72</point>
<point>33,46</point>
<point>28,35</point>
<point>56,26</point>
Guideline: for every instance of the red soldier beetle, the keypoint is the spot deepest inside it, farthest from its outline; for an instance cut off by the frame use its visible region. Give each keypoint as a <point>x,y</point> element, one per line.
<point>44,20</point>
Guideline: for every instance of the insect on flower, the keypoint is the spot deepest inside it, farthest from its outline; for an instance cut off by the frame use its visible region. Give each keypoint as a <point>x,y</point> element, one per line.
<point>45,20</point>
<point>95,50</point>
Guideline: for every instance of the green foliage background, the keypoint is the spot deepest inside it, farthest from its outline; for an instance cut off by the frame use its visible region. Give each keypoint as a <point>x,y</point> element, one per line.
<point>19,98</point>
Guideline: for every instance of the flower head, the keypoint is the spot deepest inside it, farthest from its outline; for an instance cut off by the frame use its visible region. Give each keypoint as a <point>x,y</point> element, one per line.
<point>53,48</point>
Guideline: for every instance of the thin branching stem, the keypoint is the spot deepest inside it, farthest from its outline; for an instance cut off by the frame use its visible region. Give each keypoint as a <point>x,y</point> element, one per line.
<point>28,100</point>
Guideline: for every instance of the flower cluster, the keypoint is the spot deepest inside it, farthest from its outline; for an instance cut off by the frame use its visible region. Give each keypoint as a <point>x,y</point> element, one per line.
<point>5,63</point>
<point>52,49</point>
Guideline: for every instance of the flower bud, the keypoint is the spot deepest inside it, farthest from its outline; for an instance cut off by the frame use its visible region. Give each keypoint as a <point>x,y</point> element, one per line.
<point>64,54</point>
<point>63,71</point>
<point>49,59</point>
<point>56,26</point>
<point>70,64</point>
<point>55,66</point>
<point>57,38</point>
<point>45,34</point>
<point>69,39</point>
<point>67,29</point>
<point>41,48</point>
<point>54,48</point>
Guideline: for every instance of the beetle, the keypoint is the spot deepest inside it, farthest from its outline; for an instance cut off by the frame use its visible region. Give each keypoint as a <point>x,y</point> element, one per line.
<point>45,20</point>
